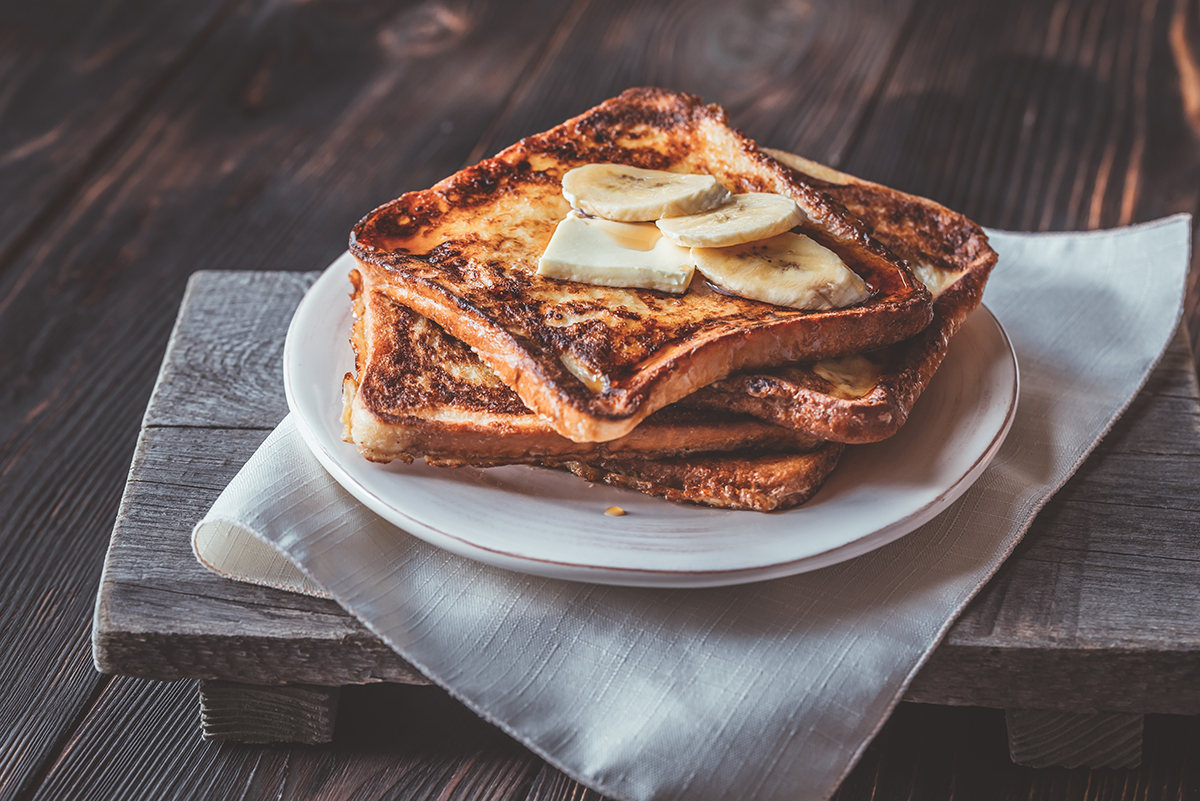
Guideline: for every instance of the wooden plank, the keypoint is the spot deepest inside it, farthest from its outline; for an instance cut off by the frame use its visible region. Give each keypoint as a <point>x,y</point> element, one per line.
<point>1065,115</point>
<point>70,92</point>
<point>1064,679</point>
<point>553,785</point>
<point>262,150</point>
<point>1043,124</point>
<point>417,742</point>
<point>794,76</point>
<point>1169,171</point>
<point>396,742</point>
<point>253,713</point>
<point>191,390</point>
<point>1042,739</point>
<point>161,615</point>
<point>946,752</point>
<point>158,753</point>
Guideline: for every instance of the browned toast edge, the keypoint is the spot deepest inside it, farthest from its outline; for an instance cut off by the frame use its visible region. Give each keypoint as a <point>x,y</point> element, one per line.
<point>382,420</point>
<point>758,482</point>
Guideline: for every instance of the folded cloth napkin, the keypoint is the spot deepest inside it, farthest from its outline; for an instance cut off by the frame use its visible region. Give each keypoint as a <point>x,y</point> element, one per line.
<point>769,690</point>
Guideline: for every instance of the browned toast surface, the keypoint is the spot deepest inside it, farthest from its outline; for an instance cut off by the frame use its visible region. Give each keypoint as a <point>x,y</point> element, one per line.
<point>867,397</point>
<point>754,481</point>
<point>595,360</point>
<point>418,392</point>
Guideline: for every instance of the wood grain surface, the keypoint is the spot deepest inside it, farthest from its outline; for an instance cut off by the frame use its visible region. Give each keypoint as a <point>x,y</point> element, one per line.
<point>167,614</point>
<point>71,91</point>
<point>250,135</point>
<point>281,713</point>
<point>1043,738</point>
<point>1043,115</point>
<point>68,95</point>
<point>255,153</point>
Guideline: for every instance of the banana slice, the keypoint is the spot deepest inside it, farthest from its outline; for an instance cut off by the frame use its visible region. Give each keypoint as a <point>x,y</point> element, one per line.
<point>787,270</point>
<point>744,218</point>
<point>631,194</point>
<point>605,253</point>
<point>935,279</point>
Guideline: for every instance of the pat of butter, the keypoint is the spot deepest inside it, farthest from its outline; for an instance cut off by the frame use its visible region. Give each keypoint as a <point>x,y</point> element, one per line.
<point>606,253</point>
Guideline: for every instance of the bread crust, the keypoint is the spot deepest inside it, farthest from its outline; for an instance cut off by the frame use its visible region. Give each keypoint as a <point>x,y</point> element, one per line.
<point>418,393</point>
<point>757,482</point>
<point>464,254</point>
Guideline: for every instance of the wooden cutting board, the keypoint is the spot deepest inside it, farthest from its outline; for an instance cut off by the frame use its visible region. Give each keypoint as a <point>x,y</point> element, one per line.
<point>1094,613</point>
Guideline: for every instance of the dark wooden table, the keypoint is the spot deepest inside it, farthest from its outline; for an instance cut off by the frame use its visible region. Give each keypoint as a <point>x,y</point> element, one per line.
<point>142,141</point>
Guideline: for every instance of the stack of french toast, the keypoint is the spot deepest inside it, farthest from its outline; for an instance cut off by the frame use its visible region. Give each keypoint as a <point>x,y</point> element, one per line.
<point>542,307</point>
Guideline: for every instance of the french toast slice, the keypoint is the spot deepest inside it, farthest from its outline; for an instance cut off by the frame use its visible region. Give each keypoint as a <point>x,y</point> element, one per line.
<point>596,361</point>
<point>867,397</point>
<point>763,482</point>
<point>418,392</point>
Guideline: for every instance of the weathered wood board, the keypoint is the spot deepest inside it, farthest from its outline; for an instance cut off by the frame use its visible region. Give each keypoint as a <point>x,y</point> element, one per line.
<point>1094,612</point>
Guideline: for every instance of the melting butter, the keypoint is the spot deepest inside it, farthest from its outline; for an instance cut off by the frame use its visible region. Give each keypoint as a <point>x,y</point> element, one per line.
<point>618,254</point>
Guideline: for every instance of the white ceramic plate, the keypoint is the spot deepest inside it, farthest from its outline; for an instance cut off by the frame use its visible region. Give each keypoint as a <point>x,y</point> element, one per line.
<point>551,523</point>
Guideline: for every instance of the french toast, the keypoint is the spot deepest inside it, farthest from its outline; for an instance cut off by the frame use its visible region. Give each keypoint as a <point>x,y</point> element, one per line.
<point>596,361</point>
<point>867,397</point>
<point>419,393</point>
<point>762,482</point>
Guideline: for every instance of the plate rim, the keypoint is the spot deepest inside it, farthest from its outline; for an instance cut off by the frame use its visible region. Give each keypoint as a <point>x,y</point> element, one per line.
<point>626,575</point>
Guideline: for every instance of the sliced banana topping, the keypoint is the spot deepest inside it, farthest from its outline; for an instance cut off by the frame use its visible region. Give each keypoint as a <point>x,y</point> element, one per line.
<point>744,218</point>
<point>852,376</point>
<point>786,270</point>
<point>631,194</point>
<point>740,243</point>
<point>605,253</point>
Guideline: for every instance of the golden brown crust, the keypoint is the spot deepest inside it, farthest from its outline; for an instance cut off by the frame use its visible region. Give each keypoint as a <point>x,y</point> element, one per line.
<point>948,246</point>
<point>759,482</point>
<point>464,254</point>
<point>417,392</point>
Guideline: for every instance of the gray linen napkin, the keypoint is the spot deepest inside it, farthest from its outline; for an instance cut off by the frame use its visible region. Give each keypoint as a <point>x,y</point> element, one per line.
<point>767,690</point>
